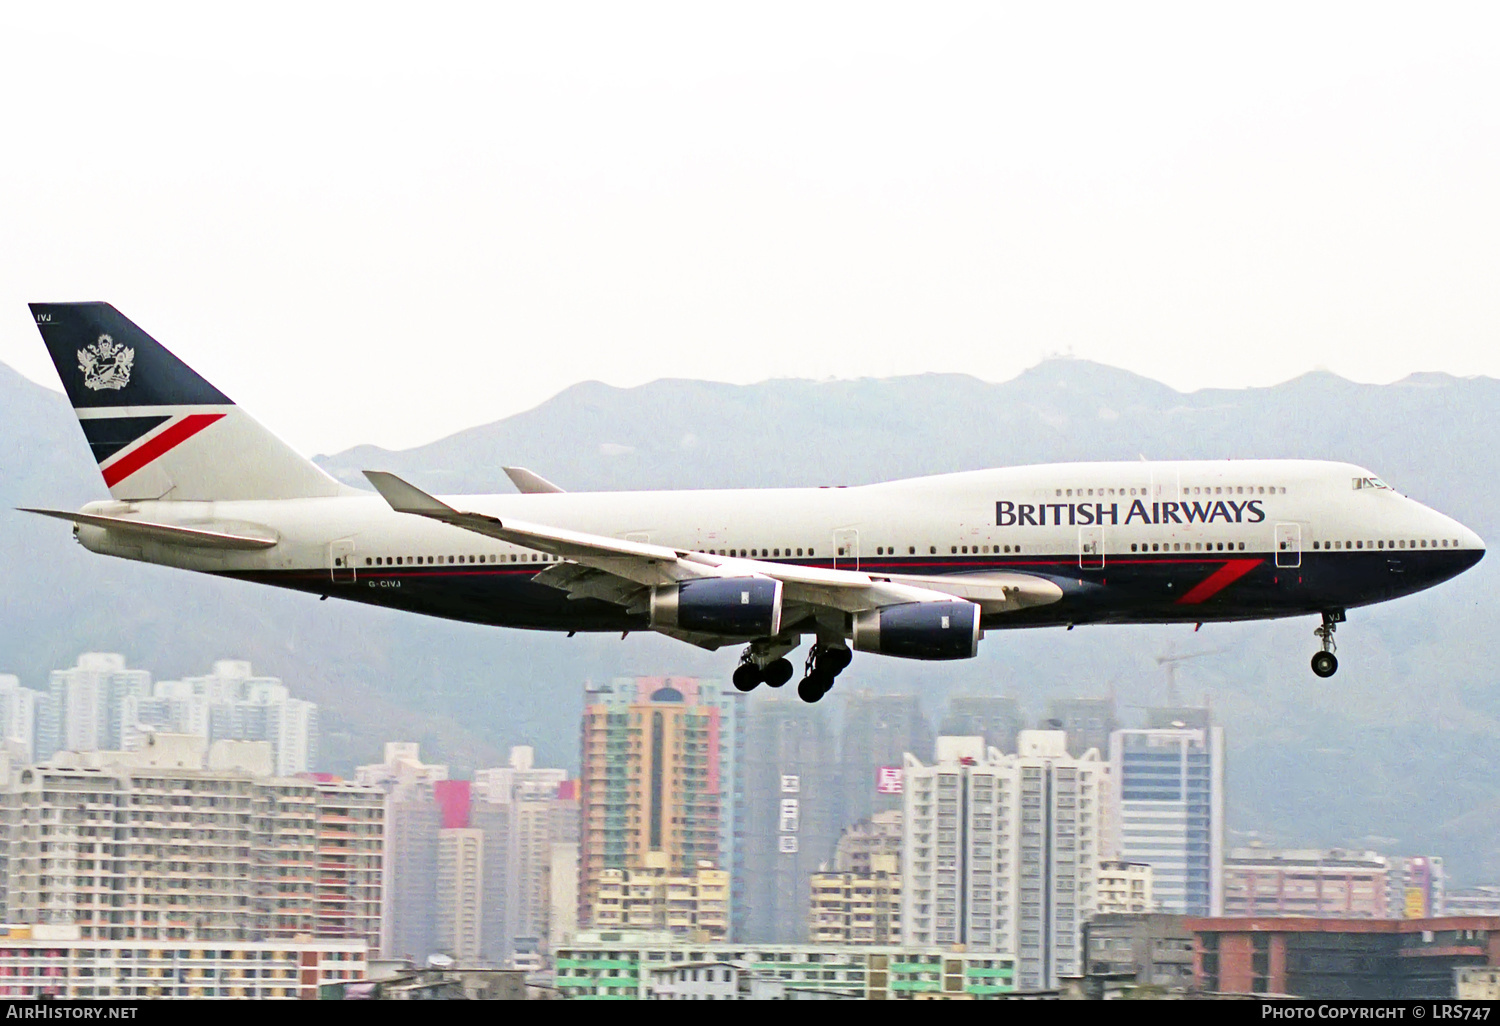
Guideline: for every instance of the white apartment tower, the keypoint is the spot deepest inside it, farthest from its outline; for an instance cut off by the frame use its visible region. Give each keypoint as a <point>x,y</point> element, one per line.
<point>18,718</point>
<point>1000,852</point>
<point>86,711</point>
<point>1168,812</point>
<point>517,808</point>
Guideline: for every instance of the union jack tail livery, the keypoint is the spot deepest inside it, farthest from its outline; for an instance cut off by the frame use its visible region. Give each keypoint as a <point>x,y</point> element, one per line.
<point>158,430</point>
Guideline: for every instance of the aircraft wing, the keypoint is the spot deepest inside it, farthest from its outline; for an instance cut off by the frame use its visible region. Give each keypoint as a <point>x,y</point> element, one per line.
<point>623,572</point>
<point>529,483</point>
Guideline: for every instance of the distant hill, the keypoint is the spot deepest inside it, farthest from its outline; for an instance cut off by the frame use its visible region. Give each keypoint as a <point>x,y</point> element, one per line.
<point>1396,751</point>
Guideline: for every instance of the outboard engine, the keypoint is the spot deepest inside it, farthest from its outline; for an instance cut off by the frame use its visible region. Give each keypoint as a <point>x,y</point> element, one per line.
<point>747,607</point>
<point>920,630</point>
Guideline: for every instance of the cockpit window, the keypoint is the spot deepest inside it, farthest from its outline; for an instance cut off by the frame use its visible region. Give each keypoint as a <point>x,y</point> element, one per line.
<point>1369,482</point>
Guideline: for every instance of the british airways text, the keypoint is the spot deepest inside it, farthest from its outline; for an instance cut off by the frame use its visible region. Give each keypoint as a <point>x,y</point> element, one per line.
<point>1043,514</point>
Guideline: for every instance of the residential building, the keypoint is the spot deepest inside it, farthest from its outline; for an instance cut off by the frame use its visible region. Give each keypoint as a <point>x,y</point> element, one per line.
<point>460,893</point>
<point>517,807</point>
<point>1156,948</point>
<point>1416,887</point>
<point>658,776</point>
<point>996,718</point>
<point>878,731</point>
<point>238,705</point>
<point>860,843</point>
<point>1088,722</point>
<point>57,962</point>
<point>656,897</point>
<point>1342,959</point>
<point>1305,882</point>
<point>350,844</point>
<point>19,708</point>
<point>179,841</point>
<point>857,908</point>
<point>1477,983</point>
<point>1168,812</point>
<point>790,810</point>
<point>1000,852</point>
<point>1123,887</point>
<point>413,821</point>
<point>624,964</point>
<point>86,707</point>
<point>1472,901</point>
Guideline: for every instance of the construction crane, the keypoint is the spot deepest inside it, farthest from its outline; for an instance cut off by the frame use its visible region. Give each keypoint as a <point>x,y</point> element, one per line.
<point>1171,661</point>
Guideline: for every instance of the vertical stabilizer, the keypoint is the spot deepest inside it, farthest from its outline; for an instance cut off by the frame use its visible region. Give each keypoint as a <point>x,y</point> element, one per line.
<point>157,429</point>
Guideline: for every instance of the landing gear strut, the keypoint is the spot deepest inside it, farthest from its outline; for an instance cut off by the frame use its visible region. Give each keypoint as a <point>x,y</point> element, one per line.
<point>1325,663</point>
<point>824,663</point>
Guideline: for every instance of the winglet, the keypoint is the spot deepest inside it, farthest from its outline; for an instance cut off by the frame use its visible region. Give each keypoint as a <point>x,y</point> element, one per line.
<point>528,483</point>
<point>406,498</point>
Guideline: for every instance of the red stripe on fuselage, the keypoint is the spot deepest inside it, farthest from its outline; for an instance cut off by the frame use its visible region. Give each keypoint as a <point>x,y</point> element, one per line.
<point>1219,580</point>
<point>159,446</point>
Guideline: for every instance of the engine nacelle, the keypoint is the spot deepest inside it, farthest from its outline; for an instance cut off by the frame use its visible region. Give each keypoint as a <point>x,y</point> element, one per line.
<point>920,630</point>
<point>748,607</point>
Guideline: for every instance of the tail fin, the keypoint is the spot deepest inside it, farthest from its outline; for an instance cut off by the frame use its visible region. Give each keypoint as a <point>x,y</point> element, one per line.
<point>158,430</point>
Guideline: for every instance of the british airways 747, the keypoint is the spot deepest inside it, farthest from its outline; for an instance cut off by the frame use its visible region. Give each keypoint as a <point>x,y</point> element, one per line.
<point>919,568</point>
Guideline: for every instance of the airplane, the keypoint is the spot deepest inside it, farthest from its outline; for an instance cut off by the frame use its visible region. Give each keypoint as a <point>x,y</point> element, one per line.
<point>920,568</point>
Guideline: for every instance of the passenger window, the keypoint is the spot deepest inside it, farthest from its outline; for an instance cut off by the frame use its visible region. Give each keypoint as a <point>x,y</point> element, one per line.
<point>1242,546</point>
<point>966,550</point>
<point>1315,546</point>
<point>911,550</point>
<point>810,552</point>
<point>1132,546</point>
<point>799,552</point>
<point>1155,547</point>
<point>932,550</point>
<point>953,550</point>
<point>1007,548</point>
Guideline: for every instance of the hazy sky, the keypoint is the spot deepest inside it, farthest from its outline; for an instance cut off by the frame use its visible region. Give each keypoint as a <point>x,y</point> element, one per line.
<point>384,224</point>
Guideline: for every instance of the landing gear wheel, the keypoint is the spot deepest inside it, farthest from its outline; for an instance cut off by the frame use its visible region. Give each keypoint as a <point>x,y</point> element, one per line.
<point>814,686</point>
<point>1325,663</point>
<point>777,672</point>
<point>747,676</point>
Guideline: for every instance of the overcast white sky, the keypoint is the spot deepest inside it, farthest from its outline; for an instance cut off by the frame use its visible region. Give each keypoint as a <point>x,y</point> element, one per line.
<point>384,224</point>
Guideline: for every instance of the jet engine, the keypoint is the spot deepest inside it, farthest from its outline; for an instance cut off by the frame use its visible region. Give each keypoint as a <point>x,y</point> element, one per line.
<point>920,630</point>
<point>747,607</point>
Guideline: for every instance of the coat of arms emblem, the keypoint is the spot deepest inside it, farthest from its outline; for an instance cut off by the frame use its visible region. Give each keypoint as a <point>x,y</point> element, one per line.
<point>106,364</point>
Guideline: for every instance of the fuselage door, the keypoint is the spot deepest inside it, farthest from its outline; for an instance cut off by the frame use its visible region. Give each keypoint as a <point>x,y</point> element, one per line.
<point>1091,548</point>
<point>1289,545</point>
<point>846,549</point>
<point>341,561</point>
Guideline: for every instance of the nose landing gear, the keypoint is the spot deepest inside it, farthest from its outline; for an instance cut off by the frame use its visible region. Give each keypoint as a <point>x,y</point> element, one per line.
<point>1325,663</point>
<point>824,663</point>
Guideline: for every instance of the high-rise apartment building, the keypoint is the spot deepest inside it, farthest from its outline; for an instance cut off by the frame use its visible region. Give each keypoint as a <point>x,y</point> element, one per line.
<point>1331,883</point>
<point>19,709</point>
<point>460,893</point>
<point>857,908</point>
<point>790,814</point>
<point>233,703</point>
<point>519,809</point>
<point>179,841</point>
<point>658,776</point>
<point>350,844</point>
<point>86,708</point>
<point>413,821</point>
<point>1088,722</point>
<point>878,732</point>
<point>1000,852</point>
<point>1168,812</point>
<point>996,718</point>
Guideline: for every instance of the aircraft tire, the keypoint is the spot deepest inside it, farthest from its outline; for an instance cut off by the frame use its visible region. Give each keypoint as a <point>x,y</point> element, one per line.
<point>777,672</point>
<point>746,677</point>
<point>814,686</point>
<point>1325,664</point>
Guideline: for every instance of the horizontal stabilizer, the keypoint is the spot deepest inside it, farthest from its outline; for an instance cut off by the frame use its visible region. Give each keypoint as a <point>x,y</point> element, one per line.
<point>528,483</point>
<point>170,534</point>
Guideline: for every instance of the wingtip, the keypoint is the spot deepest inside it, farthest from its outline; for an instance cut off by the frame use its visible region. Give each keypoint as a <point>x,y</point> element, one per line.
<point>402,496</point>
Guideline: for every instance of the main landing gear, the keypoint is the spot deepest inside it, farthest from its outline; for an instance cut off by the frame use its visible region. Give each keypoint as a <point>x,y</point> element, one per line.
<point>824,663</point>
<point>750,674</point>
<point>1325,663</point>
